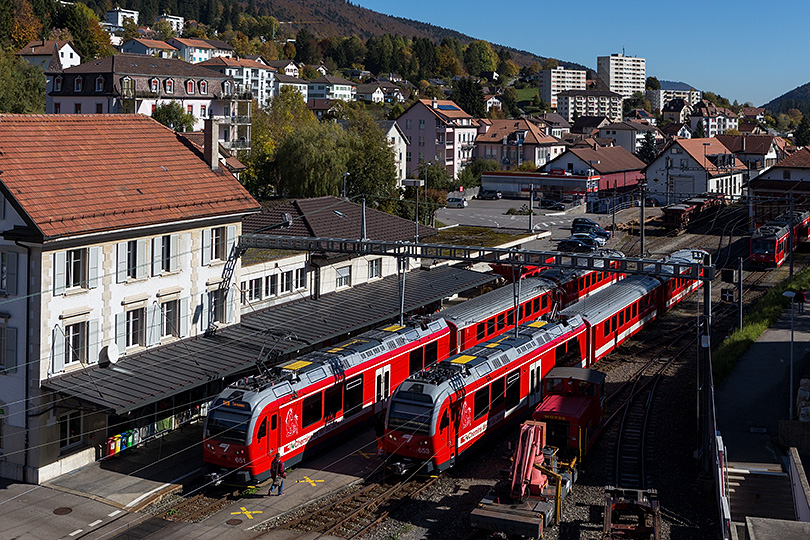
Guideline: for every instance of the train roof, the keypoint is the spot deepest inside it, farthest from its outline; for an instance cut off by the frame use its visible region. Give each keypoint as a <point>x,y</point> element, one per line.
<point>482,307</point>
<point>578,374</point>
<point>482,359</point>
<point>333,361</point>
<point>779,225</point>
<point>602,304</point>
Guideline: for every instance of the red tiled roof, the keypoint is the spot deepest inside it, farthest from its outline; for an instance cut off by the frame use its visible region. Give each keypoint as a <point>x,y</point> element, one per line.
<point>747,144</point>
<point>198,43</point>
<point>605,159</point>
<point>44,48</point>
<point>503,128</point>
<point>155,44</point>
<point>696,149</point>
<point>798,160</point>
<point>233,62</point>
<point>78,174</point>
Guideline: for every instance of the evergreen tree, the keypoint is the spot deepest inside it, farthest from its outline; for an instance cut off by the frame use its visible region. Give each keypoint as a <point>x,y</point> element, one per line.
<point>648,149</point>
<point>22,86</point>
<point>801,137</point>
<point>468,94</point>
<point>699,132</point>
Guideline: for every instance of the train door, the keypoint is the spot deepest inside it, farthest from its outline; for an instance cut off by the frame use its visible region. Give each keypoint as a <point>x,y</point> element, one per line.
<point>382,387</point>
<point>535,380</point>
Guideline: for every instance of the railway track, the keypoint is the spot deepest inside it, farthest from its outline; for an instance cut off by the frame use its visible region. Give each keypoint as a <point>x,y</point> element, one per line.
<point>200,506</point>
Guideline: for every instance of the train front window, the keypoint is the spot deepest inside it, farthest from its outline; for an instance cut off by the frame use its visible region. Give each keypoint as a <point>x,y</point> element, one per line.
<point>410,417</point>
<point>554,386</point>
<point>227,426</point>
<point>764,247</point>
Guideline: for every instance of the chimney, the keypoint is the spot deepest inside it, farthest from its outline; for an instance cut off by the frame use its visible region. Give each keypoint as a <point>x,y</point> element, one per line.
<point>211,143</point>
<point>435,103</point>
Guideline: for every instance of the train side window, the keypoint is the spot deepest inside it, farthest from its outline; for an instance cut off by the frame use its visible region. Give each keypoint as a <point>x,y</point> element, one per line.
<point>481,402</point>
<point>445,421</point>
<point>353,396</point>
<point>606,327</point>
<point>415,361</point>
<point>491,326</point>
<point>510,317</point>
<point>312,410</point>
<point>536,305</point>
<point>635,310</point>
<point>262,433</point>
<point>545,301</point>
<point>496,394</point>
<point>621,319</point>
<point>332,401</point>
<point>273,422</point>
<point>431,353</point>
<point>613,325</point>
<point>501,321</point>
<point>627,311</point>
<point>568,353</point>
<point>512,397</point>
<point>480,331</point>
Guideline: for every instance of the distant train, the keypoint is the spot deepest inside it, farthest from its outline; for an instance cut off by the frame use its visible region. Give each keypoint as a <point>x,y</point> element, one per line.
<point>302,404</point>
<point>441,411</point>
<point>771,245</point>
<point>679,215</point>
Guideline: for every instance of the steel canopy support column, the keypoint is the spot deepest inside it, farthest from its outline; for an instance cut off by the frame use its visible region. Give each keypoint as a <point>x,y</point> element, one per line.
<point>707,431</point>
<point>401,262</point>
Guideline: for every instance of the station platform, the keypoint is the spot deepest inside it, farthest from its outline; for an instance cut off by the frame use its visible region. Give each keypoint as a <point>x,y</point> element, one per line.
<point>142,476</point>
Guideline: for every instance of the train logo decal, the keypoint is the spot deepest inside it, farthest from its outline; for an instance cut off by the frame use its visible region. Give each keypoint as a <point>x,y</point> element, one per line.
<point>472,434</point>
<point>291,423</point>
<point>466,416</point>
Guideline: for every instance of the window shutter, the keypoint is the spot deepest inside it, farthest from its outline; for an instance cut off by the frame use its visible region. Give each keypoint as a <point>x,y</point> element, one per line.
<point>205,309</point>
<point>184,315</point>
<point>206,246</point>
<point>152,325</point>
<point>59,272</point>
<point>92,341</point>
<point>157,255</point>
<point>92,269</point>
<point>174,261</point>
<point>11,350</point>
<point>229,307</point>
<point>121,331</point>
<point>2,207</point>
<point>11,278</point>
<point>231,239</point>
<point>121,269</point>
<point>58,360</point>
<point>140,271</point>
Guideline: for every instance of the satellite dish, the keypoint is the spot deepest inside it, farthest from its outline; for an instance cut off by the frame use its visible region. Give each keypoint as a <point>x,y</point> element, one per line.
<point>109,355</point>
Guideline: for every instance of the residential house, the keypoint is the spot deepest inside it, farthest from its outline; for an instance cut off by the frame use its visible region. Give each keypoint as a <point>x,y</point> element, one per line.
<point>358,73</point>
<point>493,102</point>
<point>50,55</point>
<point>677,110</point>
<point>640,115</point>
<point>630,135</point>
<point>399,146</point>
<point>514,142</point>
<point>392,92</point>
<point>133,83</point>
<point>616,167</point>
<point>280,80</point>
<point>149,47</point>
<point>753,114</point>
<point>438,131</point>
<point>178,24</point>
<point>371,93</point>
<point>674,129</point>
<point>286,67</point>
<point>715,120</point>
<point>770,188</point>
<point>589,125</point>
<point>671,90</point>
<point>756,152</point>
<point>221,48</point>
<point>116,17</point>
<point>553,81</point>
<point>192,50</point>
<point>575,103</point>
<point>621,74</point>
<point>129,263</point>
<point>751,128</point>
<point>553,124</point>
<point>329,87</point>
<point>248,75</point>
<point>324,107</point>
<point>689,167</point>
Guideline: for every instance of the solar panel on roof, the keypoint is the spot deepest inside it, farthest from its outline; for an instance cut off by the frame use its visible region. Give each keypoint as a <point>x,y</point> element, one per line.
<point>448,108</point>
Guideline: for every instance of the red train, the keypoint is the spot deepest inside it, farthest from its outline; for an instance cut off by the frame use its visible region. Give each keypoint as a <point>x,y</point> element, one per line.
<point>678,216</point>
<point>301,404</point>
<point>441,411</point>
<point>770,243</point>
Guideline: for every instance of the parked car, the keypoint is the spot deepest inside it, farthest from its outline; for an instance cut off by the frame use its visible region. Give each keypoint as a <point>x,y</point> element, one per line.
<point>548,204</point>
<point>594,230</point>
<point>489,194</point>
<point>583,221</point>
<point>456,202</point>
<point>575,246</point>
<point>589,239</point>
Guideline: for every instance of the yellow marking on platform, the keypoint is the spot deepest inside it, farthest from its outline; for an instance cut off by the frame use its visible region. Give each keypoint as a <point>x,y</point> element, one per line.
<point>308,480</point>
<point>462,359</point>
<point>296,365</point>
<point>367,455</point>
<point>248,513</point>
<point>538,324</point>
<point>393,328</point>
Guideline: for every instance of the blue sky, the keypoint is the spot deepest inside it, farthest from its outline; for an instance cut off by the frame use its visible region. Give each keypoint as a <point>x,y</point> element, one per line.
<point>743,50</point>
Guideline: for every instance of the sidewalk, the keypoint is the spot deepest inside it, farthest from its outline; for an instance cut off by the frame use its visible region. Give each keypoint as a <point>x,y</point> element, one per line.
<point>752,400</point>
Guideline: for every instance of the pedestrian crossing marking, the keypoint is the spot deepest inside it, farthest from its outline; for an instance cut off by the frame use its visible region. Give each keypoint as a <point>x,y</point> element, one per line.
<point>248,513</point>
<point>308,480</point>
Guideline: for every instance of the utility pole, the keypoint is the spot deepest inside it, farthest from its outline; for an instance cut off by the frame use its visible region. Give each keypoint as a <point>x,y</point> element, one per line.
<point>790,234</point>
<point>643,185</point>
<point>531,206</point>
<point>613,206</point>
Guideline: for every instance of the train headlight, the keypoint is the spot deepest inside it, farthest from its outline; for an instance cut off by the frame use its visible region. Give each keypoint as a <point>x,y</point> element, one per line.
<point>240,452</point>
<point>209,446</point>
<point>392,437</point>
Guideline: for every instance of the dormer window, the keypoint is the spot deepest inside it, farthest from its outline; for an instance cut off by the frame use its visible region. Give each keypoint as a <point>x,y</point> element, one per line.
<point>226,87</point>
<point>77,84</point>
<point>154,86</point>
<point>100,83</point>
<point>189,87</point>
<point>203,87</point>
<point>57,83</point>
<point>169,86</point>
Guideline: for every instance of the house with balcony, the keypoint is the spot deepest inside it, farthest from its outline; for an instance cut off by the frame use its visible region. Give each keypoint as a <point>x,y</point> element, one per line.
<point>177,23</point>
<point>248,74</point>
<point>677,110</point>
<point>330,87</point>
<point>103,266</point>
<point>630,135</point>
<point>286,67</point>
<point>281,80</point>
<point>513,143</point>
<point>575,103</point>
<point>675,129</point>
<point>757,152</point>
<point>200,50</point>
<point>133,83</point>
<point>715,120</point>
<point>149,47</point>
<point>438,131</point>
<point>50,55</point>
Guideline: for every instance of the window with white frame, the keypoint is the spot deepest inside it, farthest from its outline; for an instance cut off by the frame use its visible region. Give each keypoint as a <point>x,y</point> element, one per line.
<point>132,259</point>
<point>216,304</point>
<point>8,272</point>
<point>218,239</point>
<point>167,247</point>
<point>189,87</point>
<point>169,86</point>
<point>57,83</point>
<point>100,83</point>
<point>286,281</point>
<point>300,278</point>
<point>254,292</point>
<point>154,86</point>
<point>76,269</point>
<point>203,87</point>
<point>344,277</point>
<point>271,285</point>
<point>70,429</point>
<point>77,84</point>
<point>135,327</point>
<point>374,268</point>
<point>76,343</point>
<point>170,319</point>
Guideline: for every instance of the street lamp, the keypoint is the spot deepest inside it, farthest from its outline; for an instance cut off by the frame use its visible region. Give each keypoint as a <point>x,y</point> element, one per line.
<point>792,296</point>
<point>705,167</point>
<point>344,183</point>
